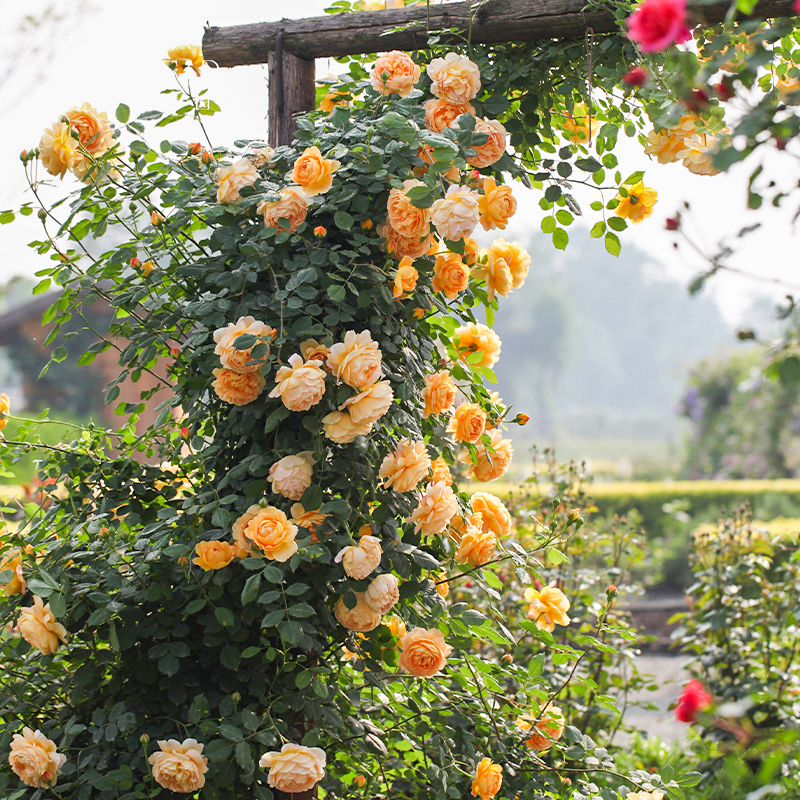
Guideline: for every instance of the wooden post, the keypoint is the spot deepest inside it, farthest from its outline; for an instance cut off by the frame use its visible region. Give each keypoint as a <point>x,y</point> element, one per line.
<point>291,91</point>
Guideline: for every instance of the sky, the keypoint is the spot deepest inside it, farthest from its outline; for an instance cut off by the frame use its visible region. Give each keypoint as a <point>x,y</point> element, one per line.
<point>59,53</point>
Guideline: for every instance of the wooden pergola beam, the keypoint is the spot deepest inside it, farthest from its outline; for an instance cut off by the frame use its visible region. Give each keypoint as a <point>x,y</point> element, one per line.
<point>492,22</point>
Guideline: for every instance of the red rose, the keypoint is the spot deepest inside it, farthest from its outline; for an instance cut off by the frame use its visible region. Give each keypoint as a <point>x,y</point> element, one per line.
<point>694,699</point>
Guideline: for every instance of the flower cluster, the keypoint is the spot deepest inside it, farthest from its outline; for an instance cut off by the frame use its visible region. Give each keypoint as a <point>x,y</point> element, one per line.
<point>686,142</point>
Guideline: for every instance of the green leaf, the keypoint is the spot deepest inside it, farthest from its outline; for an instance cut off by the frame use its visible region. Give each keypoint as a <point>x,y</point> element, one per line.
<point>42,286</point>
<point>536,666</point>
<point>303,679</point>
<point>224,616</point>
<point>251,587</point>
<point>168,665</point>
<point>548,224</point>
<point>598,229</point>
<point>588,164</point>
<point>272,573</point>
<point>249,652</point>
<point>123,113</point>
<point>291,631</point>
<point>195,605</point>
<point>560,239</point>
<point>230,732</point>
<point>612,244</point>
<point>343,220</point>
<point>336,293</point>
<point>634,177</point>
<point>617,223</point>
<point>273,618</point>
<point>564,217</point>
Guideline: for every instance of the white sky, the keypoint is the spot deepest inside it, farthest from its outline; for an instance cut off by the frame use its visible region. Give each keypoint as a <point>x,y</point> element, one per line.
<point>108,52</point>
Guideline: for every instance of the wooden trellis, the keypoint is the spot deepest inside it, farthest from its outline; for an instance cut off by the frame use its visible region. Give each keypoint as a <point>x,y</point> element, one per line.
<point>290,46</point>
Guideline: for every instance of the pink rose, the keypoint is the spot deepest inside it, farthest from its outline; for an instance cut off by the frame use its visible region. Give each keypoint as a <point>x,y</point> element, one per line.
<point>656,24</point>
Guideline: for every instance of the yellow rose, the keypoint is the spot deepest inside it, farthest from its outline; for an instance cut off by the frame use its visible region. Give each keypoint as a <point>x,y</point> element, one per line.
<point>340,428</point>
<point>291,475</point>
<point>548,607</point>
<point>333,99</point>
<point>454,78</point>
<point>233,178</point>
<point>495,273</point>
<point>313,172</point>
<point>697,154</point>
<point>58,151</point>
<point>467,423</point>
<point>450,274</point>
<point>476,547</point>
<point>312,350</point>
<point>441,113</point>
<point>423,652</point>
<point>179,766</point>
<point>396,626</point>
<point>638,205</point>
<point>547,727</point>
<point>497,205</point>
<point>408,220</point>
<point>357,360</point>
<point>186,55</point>
<point>406,467</point>
<point>439,393</point>
<point>394,73</point>
<point>293,206</point>
<point>435,509</point>
<point>213,555</point>
<point>475,337</point>
<point>495,516</point>
<point>93,127</point>
<point>39,627</point>
<point>440,472</point>
<point>405,279</point>
<point>295,769</point>
<point>301,385</point>
<point>491,464</point>
<point>402,246</point>
<point>307,519</point>
<point>516,257</point>
<point>442,585</point>
<point>237,388</point>
<point>34,759</point>
<point>271,533</point>
<point>383,593</point>
<point>362,559</point>
<point>367,407</point>
<point>5,410</point>
<point>17,584</point>
<point>666,144</point>
<point>241,542</point>
<point>456,214</point>
<point>576,125</point>
<point>237,360</point>
<point>488,779</point>
<point>361,618</point>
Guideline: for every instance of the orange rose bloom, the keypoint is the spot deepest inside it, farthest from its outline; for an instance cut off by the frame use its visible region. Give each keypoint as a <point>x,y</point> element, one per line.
<point>367,407</point>
<point>406,467</point>
<point>295,769</point>
<point>548,608</point>
<point>435,509</point>
<point>450,274</point>
<point>456,214</point>
<point>488,779</point>
<point>17,584</point>
<point>293,206</point>
<point>471,251</point>
<point>467,423</point>
<point>439,394</point>
<point>5,410</point>
<point>455,78</point>
<point>301,385</point>
<point>441,113</point>
<point>271,533</point>
<point>340,428</point>
<point>495,516</point>
<point>333,99</point>
<point>492,151</point>
<point>362,559</point>
<point>441,472</point>
<point>242,544</point>
<point>307,519</point>
<point>311,349</point>
<point>34,759</point>
<point>290,476</point>
<point>638,205</point>
<point>394,73</point>
<point>424,653</point>
<point>576,126</point>
<point>179,766</point>
<point>94,129</point>
<point>401,246</point>
<point>475,337</point>
<point>495,273</point>
<point>361,618</point>
<point>313,172</point>
<point>425,153</point>
<point>476,548</point>
<point>516,257</point>
<point>58,151</point>
<point>408,220</point>
<point>357,360</point>
<point>186,55</point>
<point>405,280</point>
<point>39,627</point>
<point>237,360</point>
<point>491,465</point>
<point>546,727</point>
<point>236,388</point>
<point>233,178</point>
<point>497,205</point>
<point>213,555</point>
<point>383,593</point>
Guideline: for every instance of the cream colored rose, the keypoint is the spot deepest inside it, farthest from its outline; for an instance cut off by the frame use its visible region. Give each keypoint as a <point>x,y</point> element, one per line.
<point>476,548</point>
<point>340,428</point>
<point>495,273</point>
<point>179,766</point>
<point>39,627</point>
<point>293,206</point>
<point>58,151</point>
<point>406,467</point>
<point>367,407</point>
<point>405,279</point>
<point>492,151</point>
<point>475,337</point>
<point>362,559</point>
<point>408,220</point>
<point>301,385</point>
<point>17,584</point>
<point>467,423</point>
<point>450,274</point>
<point>401,246</point>
<point>548,607</point>
<point>357,360</point>
<point>238,388</point>
<point>394,73</point>
<point>312,350</point>
<point>439,393</point>
<point>233,178</point>
<point>697,153</point>
<point>457,213</point>
<point>213,555</point>
<point>488,779</point>
<point>295,769</point>
<point>262,157</point>
<point>516,257</point>
<point>34,759</point>
<point>93,127</point>
<point>435,509</point>
<point>313,172</point>
<point>383,593</point>
<point>361,618</point>
<point>225,340</point>
<point>423,653</point>
<point>441,113</point>
<point>497,205</point>
<point>440,471</point>
<point>546,727</point>
<point>495,516</point>
<point>454,78</point>
<point>491,464</point>
<point>269,533</point>
<point>241,542</point>
<point>654,795</point>
<point>291,475</point>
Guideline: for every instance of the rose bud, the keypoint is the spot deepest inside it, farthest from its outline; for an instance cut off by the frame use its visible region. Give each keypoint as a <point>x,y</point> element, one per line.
<point>207,157</point>
<point>135,263</point>
<point>611,591</point>
<point>635,77</point>
<point>673,223</point>
<point>195,148</point>
<point>522,419</point>
<point>320,232</point>
<point>156,218</point>
<point>185,432</point>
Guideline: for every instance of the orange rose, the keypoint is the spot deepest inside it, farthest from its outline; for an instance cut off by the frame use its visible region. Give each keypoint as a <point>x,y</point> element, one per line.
<point>546,727</point>
<point>442,585</point>
<point>301,385</point>
<point>356,361</point>
<point>58,151</point>
<point>242,544</point>
<point>5,410</point>
<point>293,206</point>
<point>495,273</point>
<point>291,475</point>
<point>405,280</point>
<point>295,769</point>
<point>93,127</point>
<point>467,423</point>
<point>439,394</point>
<point>394,73</point>
<point>488,779</point>
<point>236,388</point>
<point>383,593</point>
<point>17,584</point>
<point>213,555</point>
<point>456,214</point>
<point>435,509</point>
<point>476,548</point>
<point>39,627</point>
<point>576,125</point>
<point>497,205</point>
<point>237,360</point>
<point>516,257</point>
<point>441,113</point>
<point>441,472</point>
<point>34,759</point>
<point>313,172</point>
<point>340,428</point>
<point>495,516</point>
<point>179,766</point>
<point>454,78</point>
<point>492,151</point>
<point>367,407</point>
<point>271,533</point>
<point>423,653</point>
<point>396,626</point>
<point>362,559</point>
<point>402,246</point>
<point>233,178</point>
<point>450,274</point>
<point>311,349</point>
<point>361,618</point>
<point>408,220</point>
<point>472,251</point>
<point>548,608</point>
<point>307,519</point>
<point>333,99</point>
<point>425,153</point>
<point>186,55</point>
<point>491,465</point>
<point>406,467</point>
<point>475,337</point>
